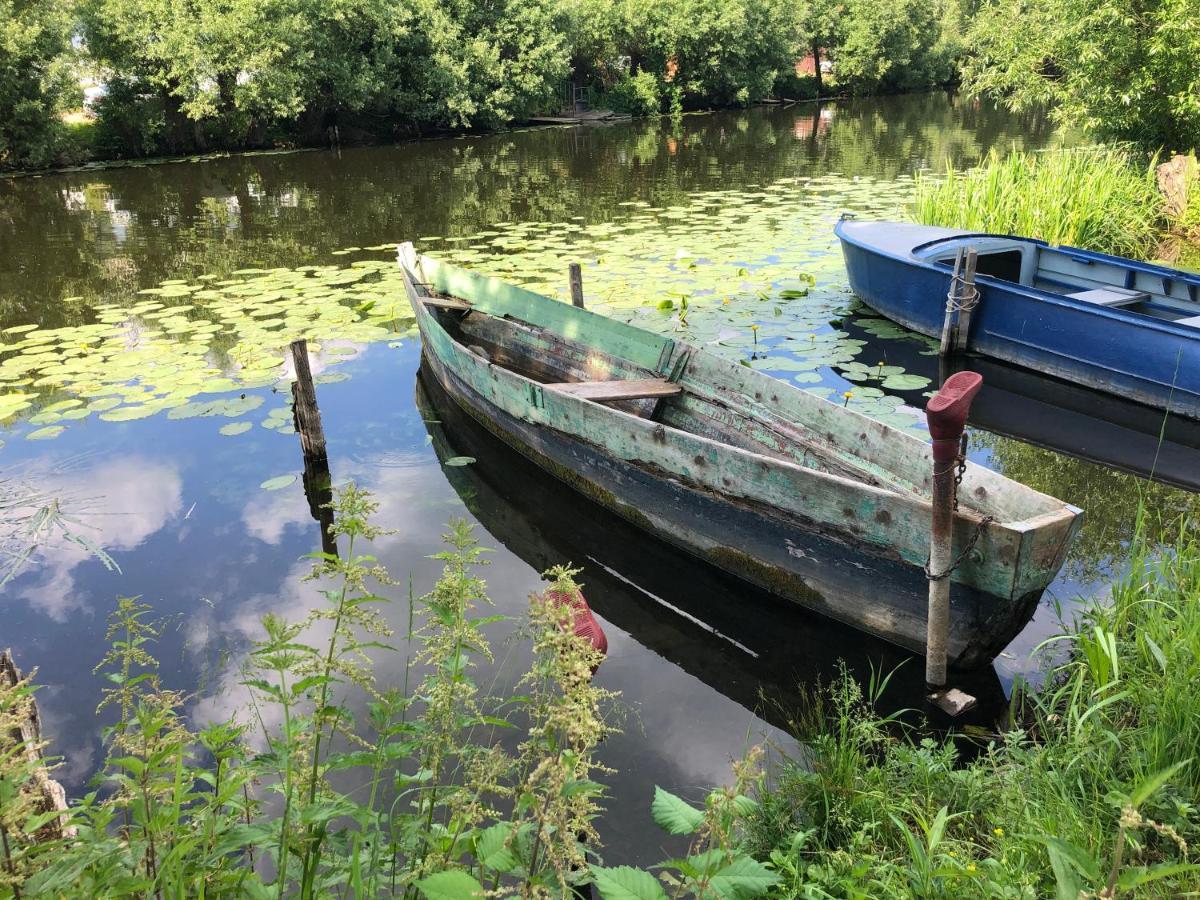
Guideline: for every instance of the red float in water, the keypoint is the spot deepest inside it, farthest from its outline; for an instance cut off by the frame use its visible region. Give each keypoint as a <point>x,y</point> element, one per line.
<point>584,621</point>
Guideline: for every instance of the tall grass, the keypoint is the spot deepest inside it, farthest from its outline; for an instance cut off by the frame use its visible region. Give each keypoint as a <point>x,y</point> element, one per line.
<point>1098,198</point>
<point>1092,791</point>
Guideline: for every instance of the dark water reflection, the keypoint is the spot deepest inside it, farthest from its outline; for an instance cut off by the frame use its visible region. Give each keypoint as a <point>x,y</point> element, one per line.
<point>706,665</point>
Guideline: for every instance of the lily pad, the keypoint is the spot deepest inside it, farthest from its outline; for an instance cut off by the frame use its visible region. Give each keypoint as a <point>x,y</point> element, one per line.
<point>235,428</point>
<point>905,382</point>
<point>460,460</point>
<point>278,482</point>
<point>45,434</point>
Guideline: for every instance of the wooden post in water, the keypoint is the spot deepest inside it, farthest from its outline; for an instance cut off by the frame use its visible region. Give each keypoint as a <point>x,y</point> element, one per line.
<point>960,301</point>
<point>304,403</point>
<point>318,486</point>
<point>948,322</point>
<point>575,275</point>
<point>967,300</point>
<point>947,418</point>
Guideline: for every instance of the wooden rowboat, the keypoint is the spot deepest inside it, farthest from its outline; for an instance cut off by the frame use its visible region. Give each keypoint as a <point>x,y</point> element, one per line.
<point>1112,324</point>
<point>773,484</point>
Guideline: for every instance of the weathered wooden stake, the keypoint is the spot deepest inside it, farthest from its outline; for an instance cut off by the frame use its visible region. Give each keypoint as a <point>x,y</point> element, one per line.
<point>948,321</point>
<point>947,417</point>
<point>575,273</point>
<point>966,293</point>
<point>304,403</point>
<point>29,735</point>
<point>307,418</point>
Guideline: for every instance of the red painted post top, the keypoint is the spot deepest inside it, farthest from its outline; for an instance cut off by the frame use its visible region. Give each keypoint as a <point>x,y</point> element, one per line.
<point>947,410</point>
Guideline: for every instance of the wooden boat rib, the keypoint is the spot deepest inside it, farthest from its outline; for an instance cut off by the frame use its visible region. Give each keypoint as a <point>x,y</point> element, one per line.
<point>1112,324</point>
<point>734,466</point>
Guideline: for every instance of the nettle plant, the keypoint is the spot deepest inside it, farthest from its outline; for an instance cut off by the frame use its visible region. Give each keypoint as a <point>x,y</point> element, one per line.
<point>299,796</point>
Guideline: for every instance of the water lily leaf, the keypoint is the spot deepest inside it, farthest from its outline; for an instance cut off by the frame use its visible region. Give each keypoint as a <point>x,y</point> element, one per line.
<point>278,482</point>
<point>460,460</point>
<point>905,382</point>
<point>128,413</point>
<point>234,428</point>
<point>45,434</point>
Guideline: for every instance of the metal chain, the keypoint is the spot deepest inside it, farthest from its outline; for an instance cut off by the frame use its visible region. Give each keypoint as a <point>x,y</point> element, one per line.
<point>962,468</point>
<point>983,523</point>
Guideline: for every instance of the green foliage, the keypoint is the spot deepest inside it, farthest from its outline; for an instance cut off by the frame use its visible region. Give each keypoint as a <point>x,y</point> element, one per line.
<point>1097,198</point>
<point>893,46</point>
<point>217,811</point>
<point>35,81</point>
<point>1122,71</point>
<point>194,76</point>
<point>638,95</point>
<point>1092,791</point>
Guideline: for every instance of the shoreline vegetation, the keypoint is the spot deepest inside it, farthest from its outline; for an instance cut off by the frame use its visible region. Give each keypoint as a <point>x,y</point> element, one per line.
<point>1104,198</point>
<point>161,79</point>
<point>327,784</point>
<point>165,80</point>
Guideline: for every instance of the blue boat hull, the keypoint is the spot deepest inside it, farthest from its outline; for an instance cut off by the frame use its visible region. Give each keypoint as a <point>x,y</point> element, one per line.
<point>1138,357</point>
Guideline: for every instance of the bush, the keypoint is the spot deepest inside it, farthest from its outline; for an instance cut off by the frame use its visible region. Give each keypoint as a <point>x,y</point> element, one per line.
<point>790,86</point>
<point>638,94</point>
<point>1099,198</point>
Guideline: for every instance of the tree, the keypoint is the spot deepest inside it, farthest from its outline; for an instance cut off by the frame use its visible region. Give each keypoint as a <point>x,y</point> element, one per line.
<point>35,80</point>
<point>1125,69</point>
<point>822,24</point>
<point>892,46</point>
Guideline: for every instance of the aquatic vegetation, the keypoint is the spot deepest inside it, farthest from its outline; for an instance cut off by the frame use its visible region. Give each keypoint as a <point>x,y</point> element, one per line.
<point>1097,198</point>
<point>220,337</point>
<point>767,288</point>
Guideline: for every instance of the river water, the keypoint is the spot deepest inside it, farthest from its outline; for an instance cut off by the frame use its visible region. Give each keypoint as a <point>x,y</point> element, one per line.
<point>146,401</point>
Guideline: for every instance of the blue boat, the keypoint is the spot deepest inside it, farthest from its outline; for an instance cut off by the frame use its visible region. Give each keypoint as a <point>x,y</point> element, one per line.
<point>1124,327</point>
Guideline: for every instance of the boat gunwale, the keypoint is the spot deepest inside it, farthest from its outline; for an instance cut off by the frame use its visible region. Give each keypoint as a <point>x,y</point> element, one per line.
<point>1054,513</point>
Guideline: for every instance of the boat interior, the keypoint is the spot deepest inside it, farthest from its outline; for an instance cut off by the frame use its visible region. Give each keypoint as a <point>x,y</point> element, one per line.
<point>574,367</point>
<point>1093,278</point>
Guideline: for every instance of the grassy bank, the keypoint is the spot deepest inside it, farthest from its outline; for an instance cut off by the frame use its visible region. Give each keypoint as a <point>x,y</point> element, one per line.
<point>328,784</point>
<point>1093,791</point>
<point>1098,198</point>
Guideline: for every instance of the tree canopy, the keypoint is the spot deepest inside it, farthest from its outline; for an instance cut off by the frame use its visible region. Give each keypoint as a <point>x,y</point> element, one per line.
<point>1125,69</point>
<point>35,79</point>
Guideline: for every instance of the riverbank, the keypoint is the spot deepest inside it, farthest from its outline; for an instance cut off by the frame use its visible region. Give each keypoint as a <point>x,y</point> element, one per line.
<point>1091,786</point>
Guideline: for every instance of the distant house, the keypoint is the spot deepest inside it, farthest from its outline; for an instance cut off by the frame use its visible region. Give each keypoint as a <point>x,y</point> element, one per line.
<point>808,65</point>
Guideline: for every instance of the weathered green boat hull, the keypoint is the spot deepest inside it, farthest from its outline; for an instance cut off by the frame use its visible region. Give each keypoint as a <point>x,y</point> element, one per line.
<point>739,640</point>
<point>790,559</point>
<point>749,513</point>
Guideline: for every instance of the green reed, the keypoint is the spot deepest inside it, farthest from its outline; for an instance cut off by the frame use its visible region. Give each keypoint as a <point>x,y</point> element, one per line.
<point>1092,789</point>
<point>1097,198</point>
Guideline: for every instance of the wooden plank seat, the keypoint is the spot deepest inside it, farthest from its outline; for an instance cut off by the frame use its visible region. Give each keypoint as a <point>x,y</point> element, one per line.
<point>446,302</point>
<point>1110,296</point>
<point>628,389</point>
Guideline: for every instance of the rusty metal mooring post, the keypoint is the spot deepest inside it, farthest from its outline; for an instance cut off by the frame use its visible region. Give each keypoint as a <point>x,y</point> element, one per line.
<point>947,418</point>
